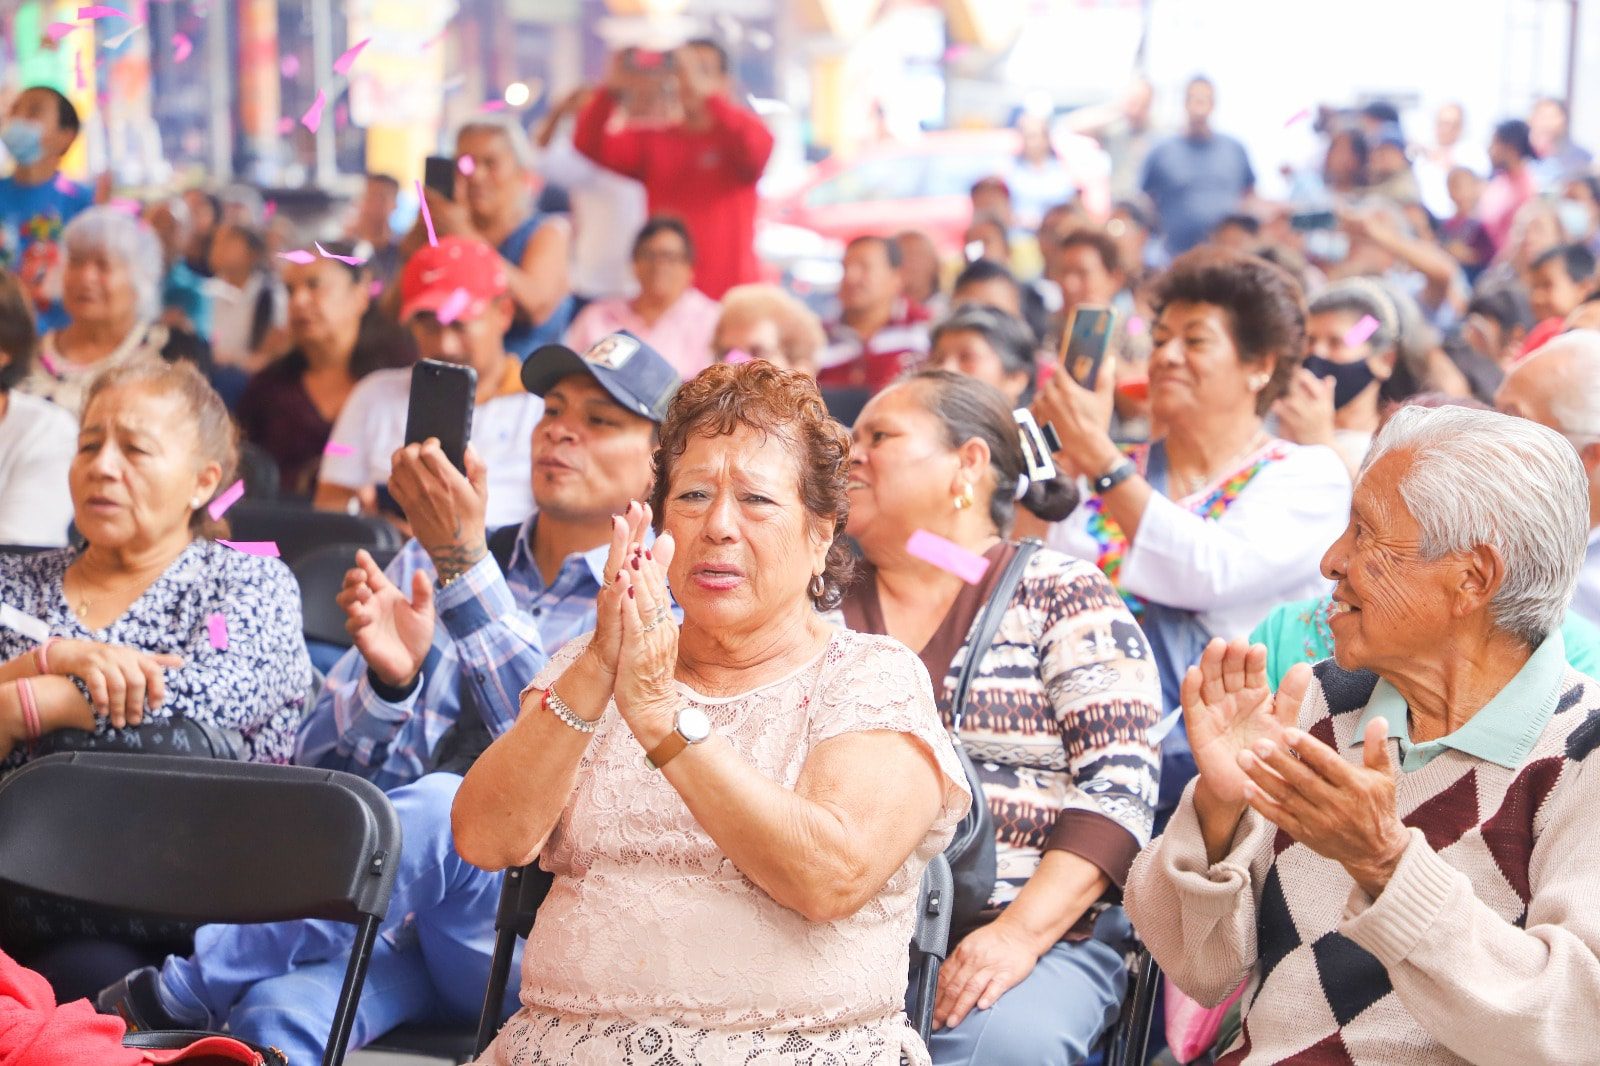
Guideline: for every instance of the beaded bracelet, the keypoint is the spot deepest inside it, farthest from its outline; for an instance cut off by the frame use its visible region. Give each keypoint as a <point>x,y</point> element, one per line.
<point>559,708</point>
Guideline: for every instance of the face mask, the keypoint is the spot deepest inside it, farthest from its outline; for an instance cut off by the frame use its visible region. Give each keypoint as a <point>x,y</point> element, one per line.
<point>1349,379</point>
<point>1330,246</point>
<point>1575,219</point>
<point>24,139</point>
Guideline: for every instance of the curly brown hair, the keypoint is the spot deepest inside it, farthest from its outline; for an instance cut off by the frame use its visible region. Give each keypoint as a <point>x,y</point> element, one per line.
<point>760,396</point>
<point>1265,307</point>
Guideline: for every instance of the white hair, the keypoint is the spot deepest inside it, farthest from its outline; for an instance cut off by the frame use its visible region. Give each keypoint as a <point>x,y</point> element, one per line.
<point>111,232</point>
<point>1575,400</point>
<point>1483,478</point>
<point>508,127</point>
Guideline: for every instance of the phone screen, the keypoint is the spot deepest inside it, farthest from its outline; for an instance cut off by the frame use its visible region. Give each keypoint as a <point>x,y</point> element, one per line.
<point>439,174</point>
<point>442,396</point>
<point>1085,342</point>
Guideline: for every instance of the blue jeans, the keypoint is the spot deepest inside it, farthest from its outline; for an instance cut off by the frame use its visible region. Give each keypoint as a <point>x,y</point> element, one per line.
<point>1054,1015</point>
<point>278,983</point>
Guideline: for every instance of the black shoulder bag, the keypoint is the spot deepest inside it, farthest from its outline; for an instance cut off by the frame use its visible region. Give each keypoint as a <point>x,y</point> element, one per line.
<point>972,850</point>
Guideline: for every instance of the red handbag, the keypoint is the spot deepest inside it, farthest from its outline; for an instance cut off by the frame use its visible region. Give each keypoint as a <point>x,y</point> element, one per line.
<point>192,1048</point>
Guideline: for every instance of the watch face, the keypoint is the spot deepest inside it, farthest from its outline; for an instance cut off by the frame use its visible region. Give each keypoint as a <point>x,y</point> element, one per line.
<point>693,724</point>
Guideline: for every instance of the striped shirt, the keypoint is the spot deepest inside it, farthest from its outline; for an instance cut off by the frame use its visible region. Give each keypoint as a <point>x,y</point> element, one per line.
<point>497,631</point>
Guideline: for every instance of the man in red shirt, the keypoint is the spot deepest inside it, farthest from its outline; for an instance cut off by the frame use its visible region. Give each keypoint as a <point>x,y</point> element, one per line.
<point>702,169</point>
<point>879,332</point>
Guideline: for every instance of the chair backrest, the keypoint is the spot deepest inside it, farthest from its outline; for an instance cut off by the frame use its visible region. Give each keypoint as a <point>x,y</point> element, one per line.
<point>298,528</point>
<point>259,472</point>
<point>934,909</point>
<point>199,840</point>
<point>320,573</point>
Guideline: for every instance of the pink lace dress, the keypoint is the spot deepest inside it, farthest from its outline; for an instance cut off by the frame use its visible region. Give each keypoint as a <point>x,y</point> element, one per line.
<point>653,950</point>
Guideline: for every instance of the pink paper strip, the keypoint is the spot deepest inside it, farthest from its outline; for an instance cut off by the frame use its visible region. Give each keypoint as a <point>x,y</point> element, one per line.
<point>217,629</point>
<point>343,63</point>
<point>348,260</point>
<point>285,124</point>
<point>466,165</point>
<point>313,116</point>
<point>267,549</point>
<point>65,185</point>
<point>299,256</point>
<point>229,497</point>
<point>947,555</point>
<point>453,305</point>
<point>375,290</point>
<point>1357,334</point>
<point>101,11</point>
<point>289,66</point>
<point>270,209</point>
<point>422,199</point>
<point>182,48</point>
<point>77,71</point>
<point>335,448</point>
<point>1299,116</point>
<point>494,105</point>
<point>1136,326</point>
<point>737,356</point>
<point>127,206</point>
<point>57,30</point>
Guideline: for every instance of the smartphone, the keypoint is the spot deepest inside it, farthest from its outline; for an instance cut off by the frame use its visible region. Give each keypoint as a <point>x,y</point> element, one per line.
<point>439,174</point>
<point>442,396</point>
<point>1305,221</point>
<point>1085,343</point>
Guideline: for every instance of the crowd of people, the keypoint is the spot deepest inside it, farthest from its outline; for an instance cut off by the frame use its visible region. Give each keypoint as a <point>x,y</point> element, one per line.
<point>1295,603</point>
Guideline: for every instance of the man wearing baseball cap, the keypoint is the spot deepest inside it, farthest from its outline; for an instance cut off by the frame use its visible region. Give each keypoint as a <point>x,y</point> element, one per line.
<point>455,301</point>
<point>431,681</point>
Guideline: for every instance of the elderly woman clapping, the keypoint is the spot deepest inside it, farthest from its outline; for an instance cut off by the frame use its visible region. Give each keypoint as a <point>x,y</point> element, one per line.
<point>1397,848</point>
<point>111,286</point>
<point>737,811</point>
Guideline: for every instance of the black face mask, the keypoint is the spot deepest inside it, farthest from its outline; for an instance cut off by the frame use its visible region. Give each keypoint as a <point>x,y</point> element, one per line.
<point>1349,379</point>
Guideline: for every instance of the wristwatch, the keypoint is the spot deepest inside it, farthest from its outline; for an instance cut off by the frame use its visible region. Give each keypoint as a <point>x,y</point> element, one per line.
<point>692,727</point>
<point>1114,477</point>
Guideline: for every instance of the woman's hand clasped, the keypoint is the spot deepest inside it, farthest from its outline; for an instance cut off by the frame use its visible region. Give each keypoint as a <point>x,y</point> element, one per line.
<point>122,681</point>
<point>647,655</point>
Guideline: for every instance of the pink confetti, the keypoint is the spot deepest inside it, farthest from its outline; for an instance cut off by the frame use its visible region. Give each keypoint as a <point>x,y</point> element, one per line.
<point>348,260</point>
<point>101,11</point>
<point>343,64</point>
<point>285,124</point>
<point>335,448</point>
<point>1299,116</point>
<point>57,30</point>
<point>127,206</point>
<point>453,306</point>
<point>229,497</point>
<point>217,630</point>
<point>737,356</point>
<point>494,105</point>
<point>182,48</point>
<point>77,70</point>
<point>427,217</point>
<point>313,116</point>
<point>266,549</point>
<point>289,66</point>
<point>1136,326</point>
<point>267,211</point>
<point>375,290</point>
<point>65,185</point>
<point>300,257</point>
<point>466,165</point>
<point>947,555</point>
<point>1357,334</point>
<point>341,116</point>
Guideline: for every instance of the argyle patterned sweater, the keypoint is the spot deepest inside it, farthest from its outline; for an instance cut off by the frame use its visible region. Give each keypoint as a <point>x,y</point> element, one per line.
<point>1482,948</point>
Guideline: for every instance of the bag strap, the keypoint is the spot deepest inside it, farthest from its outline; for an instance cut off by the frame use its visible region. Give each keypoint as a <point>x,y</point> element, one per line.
<point>987,625</point>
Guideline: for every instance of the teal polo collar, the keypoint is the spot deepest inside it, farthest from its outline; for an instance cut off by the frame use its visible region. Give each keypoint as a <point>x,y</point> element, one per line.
<point>1503,732</point>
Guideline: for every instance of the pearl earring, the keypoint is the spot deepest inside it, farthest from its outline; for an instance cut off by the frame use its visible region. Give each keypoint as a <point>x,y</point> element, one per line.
<point>1259,382</point>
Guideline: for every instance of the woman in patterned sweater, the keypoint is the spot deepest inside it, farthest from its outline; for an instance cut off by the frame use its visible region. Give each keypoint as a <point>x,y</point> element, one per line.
<point>1058,717</point>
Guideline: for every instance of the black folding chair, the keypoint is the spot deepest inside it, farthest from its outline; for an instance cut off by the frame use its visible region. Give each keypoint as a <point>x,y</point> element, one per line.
<point>526,887</point>
<point>206,841</point>
<point>298,528</point>
<point>1130,1038</point>
<point>320,573</point>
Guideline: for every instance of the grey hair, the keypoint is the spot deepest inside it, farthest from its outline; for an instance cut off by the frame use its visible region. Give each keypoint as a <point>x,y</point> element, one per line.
<point>508,127</point>
<point>111,232</point>
<point>1575,406</point>
<point>1484,478</point>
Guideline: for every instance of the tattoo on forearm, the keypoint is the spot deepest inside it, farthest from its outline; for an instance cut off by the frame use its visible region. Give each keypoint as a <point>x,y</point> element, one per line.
<point>453,560</point>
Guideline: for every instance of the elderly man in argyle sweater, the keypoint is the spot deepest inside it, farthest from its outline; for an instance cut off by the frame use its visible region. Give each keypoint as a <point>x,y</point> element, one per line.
<point>1396,850</point>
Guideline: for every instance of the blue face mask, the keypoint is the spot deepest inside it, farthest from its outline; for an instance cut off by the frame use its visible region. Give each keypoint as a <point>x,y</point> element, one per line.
<point>24,140</point>
<point>1576,221</point>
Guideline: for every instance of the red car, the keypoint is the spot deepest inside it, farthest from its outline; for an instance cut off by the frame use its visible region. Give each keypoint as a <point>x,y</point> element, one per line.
<point>922,184</point>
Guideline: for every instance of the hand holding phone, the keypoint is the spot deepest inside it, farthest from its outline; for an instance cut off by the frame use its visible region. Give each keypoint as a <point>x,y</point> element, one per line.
<point>439,174</point>
<point>442,399</point>
<point>1085,342</point>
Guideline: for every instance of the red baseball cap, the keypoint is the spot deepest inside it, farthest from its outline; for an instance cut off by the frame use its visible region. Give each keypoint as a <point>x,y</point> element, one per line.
<point>437,273</point>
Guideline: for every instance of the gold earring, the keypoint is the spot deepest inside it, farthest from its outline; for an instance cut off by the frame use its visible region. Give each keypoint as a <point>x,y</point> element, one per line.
<point>964,500</point>
<point>817,587</point>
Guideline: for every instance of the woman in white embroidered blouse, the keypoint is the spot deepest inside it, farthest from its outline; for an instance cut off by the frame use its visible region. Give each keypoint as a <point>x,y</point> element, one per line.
<point>1217,521</point>
<point>747,894</point>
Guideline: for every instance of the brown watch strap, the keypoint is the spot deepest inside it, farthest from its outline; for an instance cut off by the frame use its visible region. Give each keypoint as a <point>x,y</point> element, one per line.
<point>667,750</point>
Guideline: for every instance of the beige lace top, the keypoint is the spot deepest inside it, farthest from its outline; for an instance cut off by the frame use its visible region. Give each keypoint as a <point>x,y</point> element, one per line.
<point>652,948</point>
